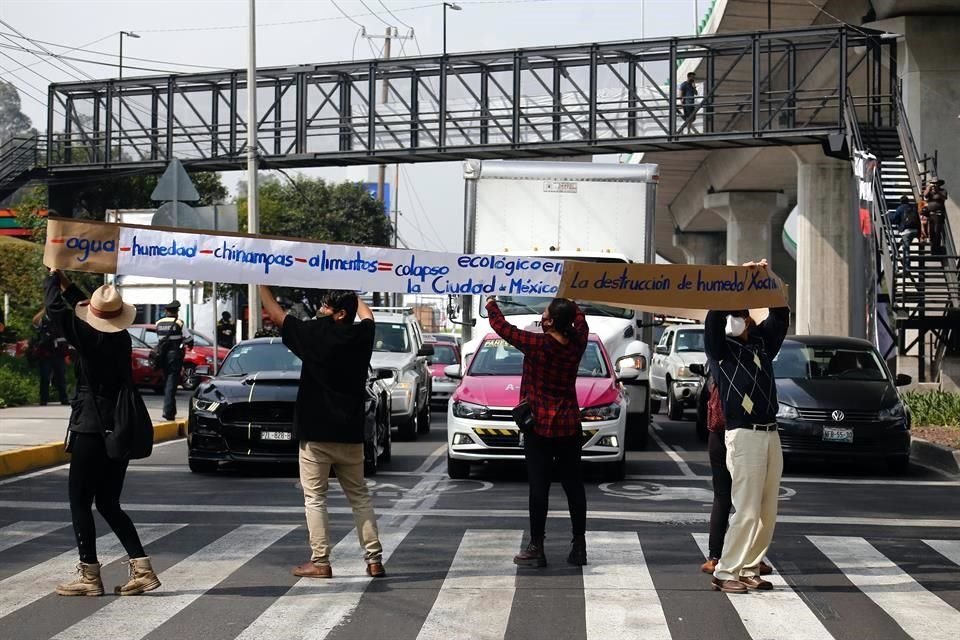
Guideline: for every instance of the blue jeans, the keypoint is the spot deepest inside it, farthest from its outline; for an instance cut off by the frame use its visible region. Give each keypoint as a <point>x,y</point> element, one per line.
<point>907,236</point>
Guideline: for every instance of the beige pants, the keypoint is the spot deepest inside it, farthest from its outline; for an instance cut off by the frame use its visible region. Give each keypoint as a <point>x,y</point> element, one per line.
<point>316,460</point>
<point>755,462</point>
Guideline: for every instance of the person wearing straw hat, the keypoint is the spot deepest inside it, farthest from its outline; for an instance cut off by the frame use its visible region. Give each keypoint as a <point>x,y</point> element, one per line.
<point>96,328</point>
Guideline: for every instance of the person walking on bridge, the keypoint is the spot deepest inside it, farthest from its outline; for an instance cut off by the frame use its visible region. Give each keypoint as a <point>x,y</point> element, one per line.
<point>549,385</point>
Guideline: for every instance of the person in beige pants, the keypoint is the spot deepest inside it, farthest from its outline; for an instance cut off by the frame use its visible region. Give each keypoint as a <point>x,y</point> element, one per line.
<point>329,418</point>
<point>741,354</point>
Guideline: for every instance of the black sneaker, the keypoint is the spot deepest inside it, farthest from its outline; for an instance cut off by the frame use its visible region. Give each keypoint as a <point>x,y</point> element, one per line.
<point>532,556</point>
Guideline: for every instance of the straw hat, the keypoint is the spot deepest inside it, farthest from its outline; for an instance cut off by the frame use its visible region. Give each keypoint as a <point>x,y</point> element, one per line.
<point>105,310</point>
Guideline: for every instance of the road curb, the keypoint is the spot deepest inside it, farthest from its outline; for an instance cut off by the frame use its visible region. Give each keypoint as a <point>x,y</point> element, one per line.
<point>52,454</point>
<point>936,456</point>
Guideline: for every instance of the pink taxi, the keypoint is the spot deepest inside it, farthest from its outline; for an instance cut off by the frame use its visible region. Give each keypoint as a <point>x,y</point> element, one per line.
<point>480,426</point>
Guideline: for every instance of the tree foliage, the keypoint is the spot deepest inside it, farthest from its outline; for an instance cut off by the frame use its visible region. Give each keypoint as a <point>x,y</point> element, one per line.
<point>13,122</point>
<point>314,209</point>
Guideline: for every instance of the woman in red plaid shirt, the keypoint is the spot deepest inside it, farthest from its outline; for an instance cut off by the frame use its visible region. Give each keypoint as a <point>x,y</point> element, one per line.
<point>549,384</point>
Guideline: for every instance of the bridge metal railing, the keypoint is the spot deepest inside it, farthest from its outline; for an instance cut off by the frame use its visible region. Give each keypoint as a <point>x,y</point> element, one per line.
<point>764,88</point>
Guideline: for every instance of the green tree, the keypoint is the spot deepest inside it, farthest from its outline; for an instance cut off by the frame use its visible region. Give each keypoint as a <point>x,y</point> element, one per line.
<point>314,209</point>
<point>13,122</point>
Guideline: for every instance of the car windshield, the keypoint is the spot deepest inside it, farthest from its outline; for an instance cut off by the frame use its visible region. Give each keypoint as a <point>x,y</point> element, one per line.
<point>390,336</point>
<point>443,354</point>
<point>690,340</point>
<point>496,357</point>
<point>819,362</point>
<point>201,340</point>
<point>259,356</point>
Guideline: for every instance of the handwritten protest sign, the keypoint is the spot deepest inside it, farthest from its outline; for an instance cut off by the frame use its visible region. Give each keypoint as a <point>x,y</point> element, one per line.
<point>249,259</point>
<point>669,289</point>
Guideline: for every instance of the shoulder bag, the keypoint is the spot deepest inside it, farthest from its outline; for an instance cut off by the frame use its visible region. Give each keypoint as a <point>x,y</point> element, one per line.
<point>523,416</point>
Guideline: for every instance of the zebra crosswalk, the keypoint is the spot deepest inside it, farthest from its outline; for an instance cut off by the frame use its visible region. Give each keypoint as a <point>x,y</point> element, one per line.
<point>629,589</point>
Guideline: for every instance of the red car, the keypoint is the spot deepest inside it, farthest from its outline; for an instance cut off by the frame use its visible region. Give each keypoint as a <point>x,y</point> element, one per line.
<point>444,353</point>
<point>197,360</point>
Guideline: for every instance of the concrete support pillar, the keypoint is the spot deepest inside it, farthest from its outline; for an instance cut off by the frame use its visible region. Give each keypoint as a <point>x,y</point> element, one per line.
<point>826,227</point>
<point>700,247</point>
<point>749,215</point>
<point>781,261</point>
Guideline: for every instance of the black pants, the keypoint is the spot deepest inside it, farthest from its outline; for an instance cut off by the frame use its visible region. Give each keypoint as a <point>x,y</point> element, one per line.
<point>95,478</point>
<point>541,454</point>
<point>722,496</point>
<point>171,380</point>
<point>55,367</point>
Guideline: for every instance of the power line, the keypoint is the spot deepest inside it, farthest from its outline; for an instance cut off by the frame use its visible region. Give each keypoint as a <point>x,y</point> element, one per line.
<point>375,15</point>
<point>42,48</point>
<point>345,14</point>
<point>113,54</point>
<point>17,47</point>
<point>394,16</point>
<point>33,64</point>
<point>416,195</point>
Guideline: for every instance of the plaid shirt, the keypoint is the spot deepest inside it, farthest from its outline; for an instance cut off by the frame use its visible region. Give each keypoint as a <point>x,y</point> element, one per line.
<point>549,380</point>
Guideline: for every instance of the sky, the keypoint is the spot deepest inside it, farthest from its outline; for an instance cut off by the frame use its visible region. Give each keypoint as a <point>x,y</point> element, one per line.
<point>289,32</point>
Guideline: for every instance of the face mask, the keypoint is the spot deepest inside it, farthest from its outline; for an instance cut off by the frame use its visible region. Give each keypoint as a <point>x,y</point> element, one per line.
<point>735,326</point>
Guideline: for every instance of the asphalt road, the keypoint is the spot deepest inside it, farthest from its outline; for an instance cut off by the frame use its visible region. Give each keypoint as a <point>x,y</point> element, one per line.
<point>859,554</point>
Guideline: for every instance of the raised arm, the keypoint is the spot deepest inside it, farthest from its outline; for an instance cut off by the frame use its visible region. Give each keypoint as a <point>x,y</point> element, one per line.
<point>60,298</point>
<point>523,340</point>
<point>774,329</point>
<point>581,331</point>
<point>363,311</point>
<point>274,311</point>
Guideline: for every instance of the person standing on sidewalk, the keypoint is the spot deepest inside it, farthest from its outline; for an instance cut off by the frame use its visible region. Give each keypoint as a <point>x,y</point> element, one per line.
<point>96,328</point>
<point>171,341</point>
<point>329,418</point>
<point>549,384</point>
<point>49,349</point>
<point>743,352</point>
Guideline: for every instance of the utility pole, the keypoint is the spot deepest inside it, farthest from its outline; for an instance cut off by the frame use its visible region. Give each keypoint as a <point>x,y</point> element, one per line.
<point>253,219</point>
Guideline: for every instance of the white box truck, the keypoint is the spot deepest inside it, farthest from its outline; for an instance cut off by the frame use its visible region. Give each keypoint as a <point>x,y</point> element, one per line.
<point>568,210</point>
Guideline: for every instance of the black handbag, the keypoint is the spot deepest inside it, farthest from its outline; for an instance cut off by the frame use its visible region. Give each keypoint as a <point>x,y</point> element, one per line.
<point>523,416</point>
<point>132,435</point>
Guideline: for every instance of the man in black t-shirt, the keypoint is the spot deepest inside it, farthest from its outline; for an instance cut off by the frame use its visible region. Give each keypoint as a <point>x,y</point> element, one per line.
<point>688,98</point>
<point>329,417</point>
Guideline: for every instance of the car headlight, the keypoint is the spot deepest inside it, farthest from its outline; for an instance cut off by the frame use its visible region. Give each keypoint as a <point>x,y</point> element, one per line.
<point>208,406</point>
<point>605,412</point>
<point>637,362</point>
<point>469,410</point>
<point>892,413</point>
<point>209,359</point>
<point>787,412</point>
<point>142,362</point>
<point>684,372</point>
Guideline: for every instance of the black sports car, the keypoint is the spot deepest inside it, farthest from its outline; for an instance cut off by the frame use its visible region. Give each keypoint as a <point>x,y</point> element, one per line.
<point>245,413</point>
<point>837,400</point>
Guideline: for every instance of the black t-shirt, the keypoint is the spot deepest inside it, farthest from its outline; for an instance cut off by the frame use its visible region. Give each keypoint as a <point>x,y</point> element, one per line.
<point>332,393</point>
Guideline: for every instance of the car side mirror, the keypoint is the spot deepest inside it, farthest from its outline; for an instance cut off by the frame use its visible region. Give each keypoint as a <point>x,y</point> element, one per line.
<point>453,371</point>
<point>384,374</point>
<point>628,373</point>
<point>662,351</point>
<point>426,350</point>
<point>903,380</point>
<point>698,369</point>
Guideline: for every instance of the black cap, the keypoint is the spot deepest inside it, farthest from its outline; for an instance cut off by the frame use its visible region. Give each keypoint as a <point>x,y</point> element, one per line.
<point>225,315</point>
<point>175,305</point>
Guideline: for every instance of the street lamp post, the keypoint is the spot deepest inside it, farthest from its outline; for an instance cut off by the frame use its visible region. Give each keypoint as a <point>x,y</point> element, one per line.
<point>455,7</point>
<point>129,34</point>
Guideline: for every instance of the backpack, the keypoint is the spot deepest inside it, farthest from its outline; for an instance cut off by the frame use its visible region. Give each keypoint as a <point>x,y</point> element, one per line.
<point>911,219</point>
<point>716,420</point>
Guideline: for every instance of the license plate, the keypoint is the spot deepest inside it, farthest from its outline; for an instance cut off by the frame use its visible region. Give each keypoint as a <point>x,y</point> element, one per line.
<point>837,434</point>
<point>276,435</point>
<point>202,371</point>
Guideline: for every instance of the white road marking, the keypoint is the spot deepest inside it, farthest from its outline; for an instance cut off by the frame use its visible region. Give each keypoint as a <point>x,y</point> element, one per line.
<point>950,549</point>
<point>684,467</point>
<point>482,572</point>
<point>20,532</point>
<point>920,613</point>
<point>780,613</point>
<point>807,480</point>
<point>30,585</point>
<point>134,618</point>
<point>410,505</point>
<point>620,596</point>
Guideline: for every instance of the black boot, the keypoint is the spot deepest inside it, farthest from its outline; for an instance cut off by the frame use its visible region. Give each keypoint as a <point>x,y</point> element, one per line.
<point>578,551</point>
<point>532,556</point>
